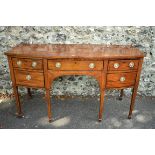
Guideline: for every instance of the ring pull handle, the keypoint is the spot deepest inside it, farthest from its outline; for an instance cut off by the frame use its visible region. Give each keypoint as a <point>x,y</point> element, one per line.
<point>122,79</point>
<point>28,77</point>
<point>91,65</point>
<point>116,65</point>
<point>131,64</point>
<point>19,63</point>
<point>34,64</point>
<point>58,65</point>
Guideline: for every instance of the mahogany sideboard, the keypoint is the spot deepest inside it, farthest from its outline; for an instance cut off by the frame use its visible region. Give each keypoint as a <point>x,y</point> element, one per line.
<point>36,66</point>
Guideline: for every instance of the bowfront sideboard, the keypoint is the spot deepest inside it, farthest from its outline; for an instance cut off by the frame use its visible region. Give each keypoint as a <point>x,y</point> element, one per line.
<point>36,66</point>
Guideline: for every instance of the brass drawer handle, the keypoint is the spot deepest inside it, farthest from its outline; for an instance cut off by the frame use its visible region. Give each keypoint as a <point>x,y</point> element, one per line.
<point>116,65</point>
<point>91,65</point>
<point>58,65</point>
<point>34,64</point>
<point>19,63</point>
<point>122,79</point>
<point>131,64</point>
<point>28,77</point>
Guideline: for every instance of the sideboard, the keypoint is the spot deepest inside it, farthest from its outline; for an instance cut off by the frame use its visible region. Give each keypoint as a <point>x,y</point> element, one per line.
<point>36,66</point>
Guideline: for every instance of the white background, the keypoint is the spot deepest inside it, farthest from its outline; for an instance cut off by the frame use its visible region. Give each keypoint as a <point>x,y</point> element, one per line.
<point>77,13</point>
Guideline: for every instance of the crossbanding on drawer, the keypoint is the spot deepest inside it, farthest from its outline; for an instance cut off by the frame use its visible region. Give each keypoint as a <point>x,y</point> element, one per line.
<point>118,80</point>
<point>122,65</point>
<point>26,63</point>
<point>29,78</point>
<point>74,65</point>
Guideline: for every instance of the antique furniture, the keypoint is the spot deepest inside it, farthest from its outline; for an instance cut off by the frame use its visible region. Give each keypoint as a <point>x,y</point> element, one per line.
<point>36,66</point>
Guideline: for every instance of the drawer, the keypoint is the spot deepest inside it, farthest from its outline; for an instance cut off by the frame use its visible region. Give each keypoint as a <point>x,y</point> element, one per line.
<point>117,80</point>
<point>75,65</point>
<point>122,65</point>
<point>29,78</point>
<point>27,63</point>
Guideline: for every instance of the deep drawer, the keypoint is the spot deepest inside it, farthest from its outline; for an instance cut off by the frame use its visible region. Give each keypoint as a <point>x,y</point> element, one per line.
<point>29,78</point>
<point>117,80</point>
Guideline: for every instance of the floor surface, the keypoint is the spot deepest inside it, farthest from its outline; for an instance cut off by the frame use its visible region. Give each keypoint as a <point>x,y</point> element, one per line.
<point>78,113</point>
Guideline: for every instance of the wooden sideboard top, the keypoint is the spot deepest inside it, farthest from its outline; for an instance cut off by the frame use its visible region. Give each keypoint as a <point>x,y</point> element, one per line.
<point>94,51</point>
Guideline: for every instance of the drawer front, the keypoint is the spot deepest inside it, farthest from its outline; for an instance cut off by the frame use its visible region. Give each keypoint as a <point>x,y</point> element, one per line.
<point>117,80</point>
<point>27,63</point>
<point>75,65</point>
<point>29,78</point>
<point>122,65</point>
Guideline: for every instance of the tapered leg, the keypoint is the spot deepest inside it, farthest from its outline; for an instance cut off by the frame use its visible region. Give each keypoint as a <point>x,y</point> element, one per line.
<point>134,93</point>
<point>48,104</point>
<point>121,95</point>
<point>18,104</point>
<point>29,92</point>
<point>101,104</point>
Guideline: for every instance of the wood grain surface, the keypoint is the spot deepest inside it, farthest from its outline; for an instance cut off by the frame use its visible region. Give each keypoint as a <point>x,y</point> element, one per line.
<point>113,80</point>
<point>27,63</point>
<point>88,51</point>
<point>75,65</point>
<point>123,65</point>
<point>37,78</point>
<point>52,61</point>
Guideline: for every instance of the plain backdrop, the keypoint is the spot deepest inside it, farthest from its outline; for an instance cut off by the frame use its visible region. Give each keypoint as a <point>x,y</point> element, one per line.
<point>77,13</point>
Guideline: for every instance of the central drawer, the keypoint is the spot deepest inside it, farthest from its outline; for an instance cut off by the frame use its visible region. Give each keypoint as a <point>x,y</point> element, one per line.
<point>29,78</point>
<point>74,65</point>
